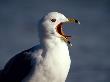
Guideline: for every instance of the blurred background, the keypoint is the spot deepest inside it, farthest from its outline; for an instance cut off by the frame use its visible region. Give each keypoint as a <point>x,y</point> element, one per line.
<point>90,53</point>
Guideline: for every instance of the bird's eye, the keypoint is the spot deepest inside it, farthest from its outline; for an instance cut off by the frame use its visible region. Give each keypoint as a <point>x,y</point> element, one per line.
<point>53,20</point>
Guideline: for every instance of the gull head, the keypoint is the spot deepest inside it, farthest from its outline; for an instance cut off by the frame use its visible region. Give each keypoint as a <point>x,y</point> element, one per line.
<point>52,25</point>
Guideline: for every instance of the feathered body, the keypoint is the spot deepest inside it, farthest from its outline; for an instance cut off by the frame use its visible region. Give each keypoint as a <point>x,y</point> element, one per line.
<point>47,62</point>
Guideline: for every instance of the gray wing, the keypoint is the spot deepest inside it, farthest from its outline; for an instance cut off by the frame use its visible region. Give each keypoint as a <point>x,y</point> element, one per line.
<point>18,67</point>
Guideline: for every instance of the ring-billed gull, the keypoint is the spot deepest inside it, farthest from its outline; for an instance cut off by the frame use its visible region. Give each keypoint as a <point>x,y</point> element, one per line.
<point>47,62</point>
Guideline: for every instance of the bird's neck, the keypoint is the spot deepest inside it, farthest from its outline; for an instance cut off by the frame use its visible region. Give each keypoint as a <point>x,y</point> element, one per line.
<point>52,41</point>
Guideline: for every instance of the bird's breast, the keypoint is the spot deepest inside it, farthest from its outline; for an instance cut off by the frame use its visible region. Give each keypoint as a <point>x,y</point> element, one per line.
<point>57,62</point>
<point>54,66</point>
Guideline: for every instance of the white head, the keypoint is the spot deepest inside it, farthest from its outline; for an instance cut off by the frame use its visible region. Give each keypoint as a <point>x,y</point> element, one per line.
<point>51,25</point>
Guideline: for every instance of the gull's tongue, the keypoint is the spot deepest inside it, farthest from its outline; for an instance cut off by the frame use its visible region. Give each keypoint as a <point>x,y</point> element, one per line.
<point>67,38</point>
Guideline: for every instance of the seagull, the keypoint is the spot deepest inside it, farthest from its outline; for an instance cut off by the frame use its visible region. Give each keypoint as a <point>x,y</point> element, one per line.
<point>49,61</point>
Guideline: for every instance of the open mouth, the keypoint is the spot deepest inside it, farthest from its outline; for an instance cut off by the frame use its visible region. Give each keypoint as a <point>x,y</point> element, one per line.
<point>59,29</point>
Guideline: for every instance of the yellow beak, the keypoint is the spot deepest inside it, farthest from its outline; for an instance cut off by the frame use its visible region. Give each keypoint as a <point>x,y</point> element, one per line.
<point>73,20</point>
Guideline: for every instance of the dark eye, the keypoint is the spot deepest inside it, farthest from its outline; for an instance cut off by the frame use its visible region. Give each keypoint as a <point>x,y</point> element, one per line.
<point>53,20</point>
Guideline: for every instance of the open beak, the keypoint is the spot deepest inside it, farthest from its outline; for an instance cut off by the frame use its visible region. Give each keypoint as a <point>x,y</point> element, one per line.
<point>61,32</point>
